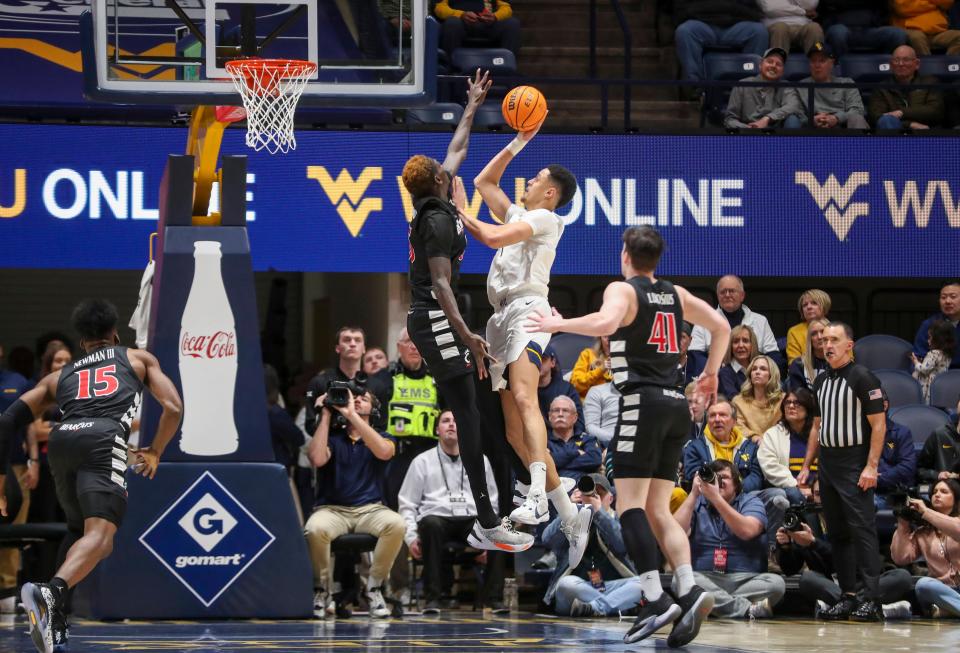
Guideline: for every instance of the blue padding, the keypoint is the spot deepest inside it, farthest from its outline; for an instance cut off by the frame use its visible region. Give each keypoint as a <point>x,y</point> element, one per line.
<point>204,541</point>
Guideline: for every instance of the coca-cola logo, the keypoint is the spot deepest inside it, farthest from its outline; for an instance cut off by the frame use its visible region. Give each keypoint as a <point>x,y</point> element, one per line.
<point>218,345</point>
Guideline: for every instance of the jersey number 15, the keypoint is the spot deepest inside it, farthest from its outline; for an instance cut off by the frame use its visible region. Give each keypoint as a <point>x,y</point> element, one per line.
<point>104,382</point>
<point>664,333</point>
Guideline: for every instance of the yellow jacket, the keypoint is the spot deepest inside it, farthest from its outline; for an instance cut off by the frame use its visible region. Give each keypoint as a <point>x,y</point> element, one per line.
<point>928,16</point>
<point>443,10</point>
<point>588,373</point>
<point>796,340</point>
<point>755,418</point>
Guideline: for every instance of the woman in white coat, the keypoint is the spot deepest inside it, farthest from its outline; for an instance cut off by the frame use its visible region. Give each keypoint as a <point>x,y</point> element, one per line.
<point>784,445</point>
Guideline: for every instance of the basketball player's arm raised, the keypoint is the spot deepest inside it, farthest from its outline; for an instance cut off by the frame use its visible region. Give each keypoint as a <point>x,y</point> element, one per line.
<point>617,299</point>
<point>20,415</point>
<point>700,313</point>
<point>491,235</point>
<point>163,390</point>
<point>488,181</point>
<point>457,150</point>
<point>440,274</point>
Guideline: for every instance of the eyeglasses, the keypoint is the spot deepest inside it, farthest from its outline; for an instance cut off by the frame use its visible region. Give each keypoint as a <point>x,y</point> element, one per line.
<point>901,62</point>
<point>791,402</point>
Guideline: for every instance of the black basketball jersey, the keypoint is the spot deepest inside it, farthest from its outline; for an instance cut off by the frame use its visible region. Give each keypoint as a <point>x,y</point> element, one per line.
<point>435,231</point>
<point>647,351</point>
<point>101,384</point>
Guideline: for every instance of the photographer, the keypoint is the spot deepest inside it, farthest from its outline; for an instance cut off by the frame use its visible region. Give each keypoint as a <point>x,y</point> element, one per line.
<point>940,457</point>
<point>349,498</point>
<point>803,542</point>
<point>604,583</point>
<point>728,543</point>
<point>934,533</point>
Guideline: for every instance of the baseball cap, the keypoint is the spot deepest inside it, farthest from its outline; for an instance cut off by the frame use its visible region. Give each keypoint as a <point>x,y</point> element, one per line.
<point>821,48</point>
<point>687,328</point>
<point>550,352</point>
<point>601,481</point>
<point>778,51</point>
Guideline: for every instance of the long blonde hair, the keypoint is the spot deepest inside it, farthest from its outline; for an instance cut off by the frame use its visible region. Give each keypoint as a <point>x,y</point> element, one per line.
<point>807,356</point>
<point>754,343</point>
<point>772,389</point>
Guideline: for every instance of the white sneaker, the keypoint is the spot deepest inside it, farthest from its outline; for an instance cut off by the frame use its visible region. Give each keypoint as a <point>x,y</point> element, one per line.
<point>897,610</point>
<point>521,490</point>
<point>319,601</point>
<point>534,510</point>
<point>760,610</point>
<point>578,535</point>
<point>378,606</point>
<point>820,608</point>
<point>502,537</point>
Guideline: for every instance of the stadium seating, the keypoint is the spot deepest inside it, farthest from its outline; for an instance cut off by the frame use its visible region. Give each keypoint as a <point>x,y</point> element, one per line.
<point>490,116</point>
<point>922,420</point>
<point>441,113</point>
<point>883,352</point>
<point>901,388</point>
<point>568,347</point>
<point>725,66</point>
<point>945,390</point>
<point>497,60</point>
<point>867,67</point>
<point>946,68</point>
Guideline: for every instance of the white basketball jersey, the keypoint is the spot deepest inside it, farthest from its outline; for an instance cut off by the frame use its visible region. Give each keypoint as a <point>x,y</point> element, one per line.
<point>523,269</point>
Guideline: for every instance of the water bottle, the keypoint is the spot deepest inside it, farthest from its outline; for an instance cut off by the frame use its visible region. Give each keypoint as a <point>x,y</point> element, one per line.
<point>510,597</point>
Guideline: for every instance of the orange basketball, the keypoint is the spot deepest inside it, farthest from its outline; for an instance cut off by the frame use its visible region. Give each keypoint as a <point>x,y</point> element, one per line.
<point>524,107</point>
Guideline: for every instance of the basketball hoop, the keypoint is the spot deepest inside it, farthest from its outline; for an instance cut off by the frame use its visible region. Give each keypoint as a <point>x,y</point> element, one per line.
<point>270,89</point>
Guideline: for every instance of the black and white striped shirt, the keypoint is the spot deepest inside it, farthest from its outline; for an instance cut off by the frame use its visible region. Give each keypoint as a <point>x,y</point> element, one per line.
<point>845,397</point>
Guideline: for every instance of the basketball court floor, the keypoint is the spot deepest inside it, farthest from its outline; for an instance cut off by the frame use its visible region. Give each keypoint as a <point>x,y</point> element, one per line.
<point>472,632</point>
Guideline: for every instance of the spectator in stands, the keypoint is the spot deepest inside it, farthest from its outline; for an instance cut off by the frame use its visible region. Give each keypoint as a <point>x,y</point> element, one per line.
<point>488,21</point>
<point>374,360</point>
<point>743,349</point>
<point>805,369</point>
<point>758,403</point>
<point>350,497</point>
<point>950,312</point>
<point>814,304</point>
<point>723,440</point>
<point>351,344</point>
<point>698,410</point>
<point>728,545</point>
<point>286,437</point>
<point>592,367</point>
<point>730,295</point>
<point>937,539</point>
<point>791,24</point>
<point>941,340</point>
<point>603,584</point>
<point>574,451</point>
<point>754,107</point>
<point>600,410</point>
<point>702,24</point>
<point>860,24</point>
<point>552,385</point>
<point>390,10</point>
<point>784,445</point>
<point>686,371</point>
<point>809,546</point>
<point>939,459</point>
<point>906,107</point>
<point>898,460</point>
<point>438,507</point>
<point>927,25</point>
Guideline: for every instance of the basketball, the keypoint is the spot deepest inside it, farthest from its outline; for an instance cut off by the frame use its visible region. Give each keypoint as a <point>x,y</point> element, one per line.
<point>524,107</point>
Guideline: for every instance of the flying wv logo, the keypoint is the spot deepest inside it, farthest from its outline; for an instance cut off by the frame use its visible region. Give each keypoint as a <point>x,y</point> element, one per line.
<point>835,199</point>
<point>354,209</point>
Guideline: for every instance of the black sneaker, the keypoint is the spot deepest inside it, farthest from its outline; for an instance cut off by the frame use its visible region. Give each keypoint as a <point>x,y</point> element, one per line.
<point>867,611</point>
<point>651,617</point>
<point>696,605</point>
<point>41,608</point>
<point>841,611</point>
<point>59,630</point>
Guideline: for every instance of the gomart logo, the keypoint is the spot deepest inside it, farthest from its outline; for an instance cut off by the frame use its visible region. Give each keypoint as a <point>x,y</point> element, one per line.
<point>207,539</point>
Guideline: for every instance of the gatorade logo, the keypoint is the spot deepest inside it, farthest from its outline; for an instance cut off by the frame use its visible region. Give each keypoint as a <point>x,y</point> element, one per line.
<point>347,194</point>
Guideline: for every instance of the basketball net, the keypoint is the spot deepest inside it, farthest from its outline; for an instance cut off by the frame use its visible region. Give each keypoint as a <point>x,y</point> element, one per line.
<point>270,89</point>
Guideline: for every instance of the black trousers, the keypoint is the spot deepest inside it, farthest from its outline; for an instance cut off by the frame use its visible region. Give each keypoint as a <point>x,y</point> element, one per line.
<point>435,532</point>
<point>894,585</point>
<point>850,517</point>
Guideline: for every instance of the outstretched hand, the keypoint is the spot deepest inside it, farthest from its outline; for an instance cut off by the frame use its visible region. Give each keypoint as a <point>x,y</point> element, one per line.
<point>530,133</point>
<point>539,323</point>
<point>477,87</point>
<point>459,194</point>
<point>707,388</point>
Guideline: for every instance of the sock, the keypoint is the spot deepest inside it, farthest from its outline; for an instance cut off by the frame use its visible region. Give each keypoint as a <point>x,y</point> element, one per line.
<point>538,478</point>
<point>683,579</point>
<point>59,587</point>
<point>650,585</point>
<point>562,503</point>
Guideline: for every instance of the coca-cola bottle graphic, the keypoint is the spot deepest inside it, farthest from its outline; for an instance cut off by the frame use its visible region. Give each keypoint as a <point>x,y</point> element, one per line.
<point>208,359</point>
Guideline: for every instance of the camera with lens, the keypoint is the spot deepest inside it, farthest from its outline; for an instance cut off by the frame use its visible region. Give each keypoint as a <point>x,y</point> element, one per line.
<point>794,517</point>
<point>587,486</point>
<point>338,392</point>
<point>898,503</point>
<point>706,473</point>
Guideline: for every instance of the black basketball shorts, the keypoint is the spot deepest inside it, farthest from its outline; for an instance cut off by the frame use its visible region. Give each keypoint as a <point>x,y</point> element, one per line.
<point>651,428</point>
<point>88,459</point>
<point>441,347</point>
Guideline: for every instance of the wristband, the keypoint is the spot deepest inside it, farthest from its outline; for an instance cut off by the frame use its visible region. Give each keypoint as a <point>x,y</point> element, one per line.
<point>516,145</point>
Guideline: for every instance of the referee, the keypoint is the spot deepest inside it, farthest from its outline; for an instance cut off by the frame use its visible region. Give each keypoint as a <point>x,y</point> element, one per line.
<point>851,427</point>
